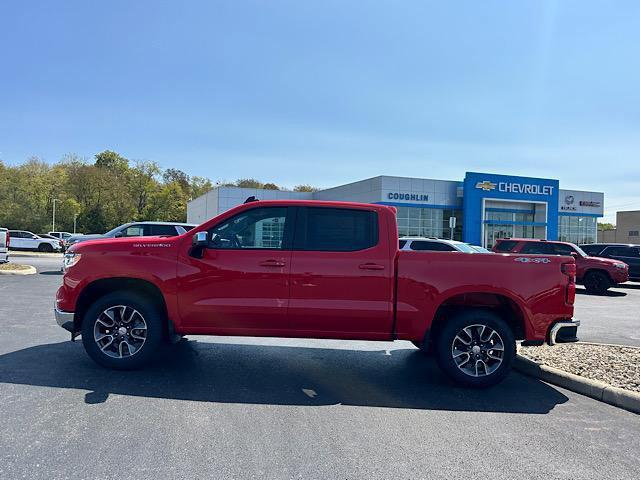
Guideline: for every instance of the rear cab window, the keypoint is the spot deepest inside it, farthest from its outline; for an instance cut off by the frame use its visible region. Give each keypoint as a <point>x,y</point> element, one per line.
<point>335,229</point>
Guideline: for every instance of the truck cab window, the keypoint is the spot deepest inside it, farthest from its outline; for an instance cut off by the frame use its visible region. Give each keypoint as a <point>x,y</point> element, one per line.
<point>256,228</point>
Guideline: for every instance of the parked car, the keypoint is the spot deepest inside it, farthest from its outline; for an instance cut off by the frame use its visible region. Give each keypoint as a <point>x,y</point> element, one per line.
<point>62,235</point>
<point>51,237</point>
<point>24,240</point>
<point>479,249</point>
<point>137,229</point>
<point>313,269</point>
<point>622,252</point>
<point>434,245</point>
<point>597,274</point>
<point>4,245</point>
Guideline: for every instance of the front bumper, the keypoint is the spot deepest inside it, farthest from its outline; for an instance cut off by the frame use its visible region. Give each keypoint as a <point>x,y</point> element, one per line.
<point>565,331</point>
<point>65,319</point>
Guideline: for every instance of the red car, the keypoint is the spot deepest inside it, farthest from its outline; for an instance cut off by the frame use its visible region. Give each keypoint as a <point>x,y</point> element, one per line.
<point>314,270</point>
<point>597,274</point>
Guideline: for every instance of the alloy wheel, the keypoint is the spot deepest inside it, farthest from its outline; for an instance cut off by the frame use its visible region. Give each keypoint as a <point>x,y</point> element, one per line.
<point>120,331</point>
<point>477,350</point>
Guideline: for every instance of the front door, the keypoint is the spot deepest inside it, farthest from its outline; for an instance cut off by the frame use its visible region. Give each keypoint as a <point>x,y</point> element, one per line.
<point>341,274</point>
<point>240,285</point>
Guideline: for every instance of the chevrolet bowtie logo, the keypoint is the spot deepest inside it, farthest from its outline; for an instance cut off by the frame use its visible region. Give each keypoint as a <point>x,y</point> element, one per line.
<point>486,185</point>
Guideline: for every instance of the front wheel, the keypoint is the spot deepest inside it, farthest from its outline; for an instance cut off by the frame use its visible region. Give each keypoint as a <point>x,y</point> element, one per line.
<point>475,348</point>
<point>596,282</point>
<point>122,330</point>
<point>45,247</point>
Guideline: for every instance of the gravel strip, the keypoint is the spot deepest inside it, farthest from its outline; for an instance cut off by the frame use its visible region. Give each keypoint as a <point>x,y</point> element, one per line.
<point>616,365</point>
<point>14,266</point>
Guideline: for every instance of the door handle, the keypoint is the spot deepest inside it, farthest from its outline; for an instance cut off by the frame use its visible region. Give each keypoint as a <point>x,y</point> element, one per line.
<point>370,266</point>
<point>272,263</point>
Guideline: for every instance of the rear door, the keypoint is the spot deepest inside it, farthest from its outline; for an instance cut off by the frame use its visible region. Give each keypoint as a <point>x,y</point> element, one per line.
<point>341,274</point>
<point>628,255</point>
<point>19,239</point>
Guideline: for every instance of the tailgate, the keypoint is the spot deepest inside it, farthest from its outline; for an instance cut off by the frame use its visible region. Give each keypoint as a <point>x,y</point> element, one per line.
<point>3,239</point>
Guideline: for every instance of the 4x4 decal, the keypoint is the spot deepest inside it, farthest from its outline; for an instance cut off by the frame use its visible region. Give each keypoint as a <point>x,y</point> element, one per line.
<point>533,260</point>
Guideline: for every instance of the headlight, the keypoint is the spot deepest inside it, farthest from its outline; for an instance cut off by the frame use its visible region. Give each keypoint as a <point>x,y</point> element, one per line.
<point>620,265</point>
<point>70,259</point>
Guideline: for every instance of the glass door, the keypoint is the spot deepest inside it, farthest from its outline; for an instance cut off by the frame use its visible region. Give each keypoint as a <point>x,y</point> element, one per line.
<point>495,231</point>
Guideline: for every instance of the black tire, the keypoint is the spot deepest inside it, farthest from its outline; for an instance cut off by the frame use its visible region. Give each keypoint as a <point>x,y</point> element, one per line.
<point>596,282</point>
<point>151,316</point>
<point>493,371</point>
<point>45,247</point>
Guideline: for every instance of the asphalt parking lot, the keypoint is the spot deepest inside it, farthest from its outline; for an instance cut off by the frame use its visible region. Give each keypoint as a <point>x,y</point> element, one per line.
<point>273,408</point>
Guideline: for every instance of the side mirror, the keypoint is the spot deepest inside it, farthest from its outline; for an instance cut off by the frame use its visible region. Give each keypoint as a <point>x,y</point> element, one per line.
<point>574,254</point>
<point>119,234</point>
<point>200,239</point>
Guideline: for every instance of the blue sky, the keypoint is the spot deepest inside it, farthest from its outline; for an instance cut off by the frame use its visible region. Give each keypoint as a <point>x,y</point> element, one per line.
<point>330,92</point>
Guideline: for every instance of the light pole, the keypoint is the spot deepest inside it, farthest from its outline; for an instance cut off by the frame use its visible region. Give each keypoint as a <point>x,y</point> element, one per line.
<point>53,220</point>
<point>75,217</point>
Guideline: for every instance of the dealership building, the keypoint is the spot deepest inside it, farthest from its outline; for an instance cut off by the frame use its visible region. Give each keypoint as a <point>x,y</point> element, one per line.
<point>485,206</point>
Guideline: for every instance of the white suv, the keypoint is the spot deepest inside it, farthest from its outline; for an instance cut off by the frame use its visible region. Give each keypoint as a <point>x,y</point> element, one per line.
<point>434,245</point>
<point>24,240</point>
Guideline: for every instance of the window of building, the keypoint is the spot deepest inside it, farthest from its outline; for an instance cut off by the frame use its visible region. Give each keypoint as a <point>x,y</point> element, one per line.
<point>634,233</point>
<point>577,229</point>
<point>428,222</point>
<point>336,229</point>
<point>255,228</point>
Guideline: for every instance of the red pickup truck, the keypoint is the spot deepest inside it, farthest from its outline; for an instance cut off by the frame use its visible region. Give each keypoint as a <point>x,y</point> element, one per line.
<point>313,270</point>
<point>596,274</point>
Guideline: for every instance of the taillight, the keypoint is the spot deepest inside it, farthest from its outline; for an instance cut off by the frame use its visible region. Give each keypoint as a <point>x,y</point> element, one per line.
<point>569,269</point>
<point>8,239</point>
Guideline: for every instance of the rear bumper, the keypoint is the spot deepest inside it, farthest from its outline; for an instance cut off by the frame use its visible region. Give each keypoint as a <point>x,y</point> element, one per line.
<point>565,331</point>
<point>65,319</point>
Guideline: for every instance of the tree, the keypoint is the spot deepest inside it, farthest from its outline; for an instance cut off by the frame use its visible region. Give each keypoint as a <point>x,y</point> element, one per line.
<point>111,161</point>
<point>248,183</point>
<point>270,186</point>
<point>174,175</point>
<point>606,226</point>
<point>304,188</point>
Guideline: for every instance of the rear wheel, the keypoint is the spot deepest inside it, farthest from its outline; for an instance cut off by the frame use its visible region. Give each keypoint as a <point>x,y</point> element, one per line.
<point>596,282</point>
<point>45,247</point>
<point>475,348</point>
<point>122,330</point>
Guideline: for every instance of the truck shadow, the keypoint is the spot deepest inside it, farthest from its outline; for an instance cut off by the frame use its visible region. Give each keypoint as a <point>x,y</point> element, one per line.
<point>280,375</point>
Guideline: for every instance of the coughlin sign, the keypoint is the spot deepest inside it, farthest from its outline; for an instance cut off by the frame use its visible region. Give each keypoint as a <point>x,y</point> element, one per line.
<point>514,187</point>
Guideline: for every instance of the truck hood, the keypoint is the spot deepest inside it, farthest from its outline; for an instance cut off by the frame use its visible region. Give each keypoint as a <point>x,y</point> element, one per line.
<point>101,244</point>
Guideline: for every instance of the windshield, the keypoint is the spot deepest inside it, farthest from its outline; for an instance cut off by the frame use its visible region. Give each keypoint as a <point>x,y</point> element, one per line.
<point>580,251</point>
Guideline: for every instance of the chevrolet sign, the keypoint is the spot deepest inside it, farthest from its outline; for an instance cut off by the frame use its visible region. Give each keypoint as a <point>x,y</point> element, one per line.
<point>512,187</point>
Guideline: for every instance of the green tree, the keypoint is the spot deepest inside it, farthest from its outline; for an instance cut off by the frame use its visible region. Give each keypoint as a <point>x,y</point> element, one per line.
<point>304,188</point>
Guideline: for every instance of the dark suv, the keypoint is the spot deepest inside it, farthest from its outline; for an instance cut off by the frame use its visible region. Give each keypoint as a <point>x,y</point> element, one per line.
<point>624,252</point>
<point>596,274</point>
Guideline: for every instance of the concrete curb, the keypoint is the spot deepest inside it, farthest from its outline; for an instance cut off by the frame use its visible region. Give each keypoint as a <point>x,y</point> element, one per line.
<point>603,392</point>
<point>30,271</point>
